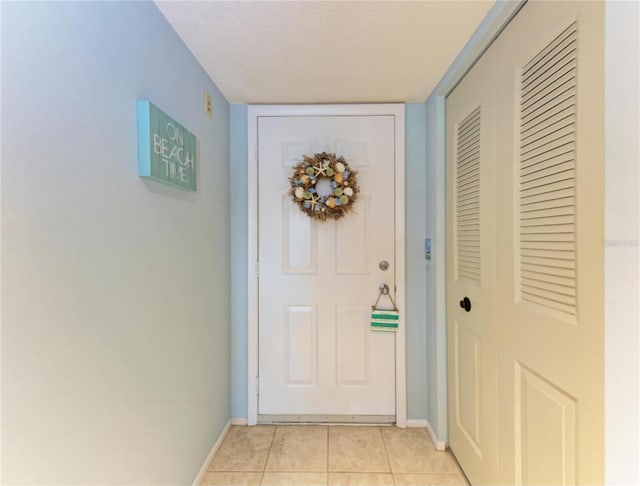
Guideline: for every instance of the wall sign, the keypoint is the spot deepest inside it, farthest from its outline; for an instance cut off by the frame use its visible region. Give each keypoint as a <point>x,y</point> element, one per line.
<point>166,150</point>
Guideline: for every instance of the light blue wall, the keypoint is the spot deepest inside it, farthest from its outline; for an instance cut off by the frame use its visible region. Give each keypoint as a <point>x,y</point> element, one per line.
<point>435,322</point>
<point>416,266</point>
<point>115,300</point>
<point>239,252</point>
<point>415,271</point>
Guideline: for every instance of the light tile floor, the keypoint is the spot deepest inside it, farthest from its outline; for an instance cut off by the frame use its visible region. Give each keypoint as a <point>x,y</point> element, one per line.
<point>320,455</point>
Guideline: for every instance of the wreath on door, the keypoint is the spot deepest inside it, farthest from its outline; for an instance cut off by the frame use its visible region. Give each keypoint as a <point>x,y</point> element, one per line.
<point>323,186</point>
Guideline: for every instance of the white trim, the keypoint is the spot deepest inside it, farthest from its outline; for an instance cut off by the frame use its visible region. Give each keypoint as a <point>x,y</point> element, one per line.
<point>440,445</point>
<point>214,449</point>
<point>239,421</point>
<point>401,282</point>
<point>417,423</point>
<point>255,111</point>
<point>441,271</point>
<point>252,258</point>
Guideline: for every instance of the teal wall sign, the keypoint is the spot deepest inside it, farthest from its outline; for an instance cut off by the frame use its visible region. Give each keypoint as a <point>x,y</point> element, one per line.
<point>166,150</point>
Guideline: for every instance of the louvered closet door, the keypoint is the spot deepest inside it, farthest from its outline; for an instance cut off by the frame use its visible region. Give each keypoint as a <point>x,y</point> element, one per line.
<point>471,336</point>
<point>550,227</point>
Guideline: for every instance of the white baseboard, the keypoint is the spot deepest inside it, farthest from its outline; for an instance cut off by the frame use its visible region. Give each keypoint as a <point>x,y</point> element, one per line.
<point>439,444</point>
<point>417,423</point>
<point>239,421</point>
<point>214,449</point>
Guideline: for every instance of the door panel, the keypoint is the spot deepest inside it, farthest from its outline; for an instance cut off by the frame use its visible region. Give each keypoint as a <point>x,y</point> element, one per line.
<point>353,345</point>
<point>317,354</point>
<point>539,402</point>
<point>472,344</point>
<point>467,353</point>
<point>300,345</point>
<point>550,222</point>
<point>353,240</point>
<point>299,241</point>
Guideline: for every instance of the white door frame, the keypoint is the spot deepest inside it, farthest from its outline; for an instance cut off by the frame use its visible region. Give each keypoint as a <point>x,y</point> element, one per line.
<point>253,113</point>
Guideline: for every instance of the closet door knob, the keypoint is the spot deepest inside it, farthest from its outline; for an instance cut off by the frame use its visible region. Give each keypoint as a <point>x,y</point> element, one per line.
<point>465,304</point>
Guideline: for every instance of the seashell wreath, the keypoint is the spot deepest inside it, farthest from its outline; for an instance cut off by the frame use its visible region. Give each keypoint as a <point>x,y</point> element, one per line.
<point>324,186</point>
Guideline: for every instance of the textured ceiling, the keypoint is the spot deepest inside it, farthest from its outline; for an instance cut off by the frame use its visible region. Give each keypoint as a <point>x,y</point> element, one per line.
<point>325,51</point>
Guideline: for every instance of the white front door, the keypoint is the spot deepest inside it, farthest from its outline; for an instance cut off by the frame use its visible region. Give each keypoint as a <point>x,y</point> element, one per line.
<point>471,255</point>
<point>318,357</point>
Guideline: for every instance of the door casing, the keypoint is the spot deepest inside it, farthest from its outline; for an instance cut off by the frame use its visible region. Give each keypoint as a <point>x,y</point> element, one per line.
<point>254,112</point>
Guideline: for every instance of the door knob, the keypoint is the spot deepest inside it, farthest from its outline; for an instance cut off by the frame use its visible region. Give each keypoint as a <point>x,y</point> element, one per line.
<point>465,304</point>
<point>384,289</point>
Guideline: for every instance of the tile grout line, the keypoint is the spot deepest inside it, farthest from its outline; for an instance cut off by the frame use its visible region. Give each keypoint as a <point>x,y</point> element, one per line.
<point>393,476</point>
<point>291,471</point>
<point>384,443</point>
<point>363,471</point>
<point>386,450</point>
<point>459,471</point>
<point>273,438</point>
